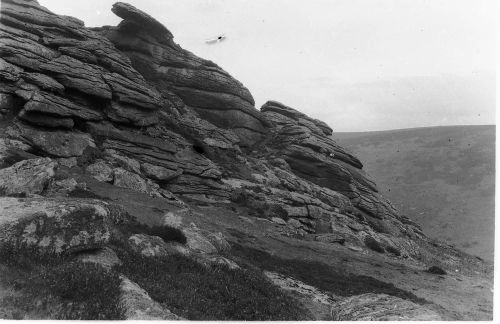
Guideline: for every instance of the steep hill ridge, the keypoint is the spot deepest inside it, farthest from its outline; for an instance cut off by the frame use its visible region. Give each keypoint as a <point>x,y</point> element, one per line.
<point>107,129</point>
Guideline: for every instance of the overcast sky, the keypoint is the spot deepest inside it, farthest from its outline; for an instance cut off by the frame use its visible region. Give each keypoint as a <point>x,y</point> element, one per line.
<point>359,65</point>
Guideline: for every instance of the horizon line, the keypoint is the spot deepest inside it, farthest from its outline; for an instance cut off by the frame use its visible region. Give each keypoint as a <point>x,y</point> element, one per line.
<point>412,128</point>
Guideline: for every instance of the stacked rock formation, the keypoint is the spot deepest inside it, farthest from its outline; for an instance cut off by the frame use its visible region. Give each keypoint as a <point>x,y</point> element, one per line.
<point>201,85</point>
<point>130,107</point>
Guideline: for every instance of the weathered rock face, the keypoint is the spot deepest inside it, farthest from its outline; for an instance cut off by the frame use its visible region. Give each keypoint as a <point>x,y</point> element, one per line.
<point>305,145</point>
<point>54,226</point>
<point>56,143</point>
<point>128,107</point>
<point>70,88</point>
<point>27,177</point>
<point>138,111</point>
<point>201,84</point>
<point>51,61</point>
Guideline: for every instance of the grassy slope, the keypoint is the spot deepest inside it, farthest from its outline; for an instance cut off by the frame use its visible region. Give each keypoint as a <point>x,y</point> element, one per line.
<point>442,177</point>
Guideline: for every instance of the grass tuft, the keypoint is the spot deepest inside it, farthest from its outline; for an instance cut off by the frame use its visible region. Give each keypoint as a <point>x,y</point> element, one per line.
<point>92,291</point>
<point>86,291</point>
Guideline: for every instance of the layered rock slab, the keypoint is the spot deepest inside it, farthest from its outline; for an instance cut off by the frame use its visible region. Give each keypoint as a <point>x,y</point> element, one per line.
<point>184,132</point>
<point>53,58</point>
<point>306,146</point>
<point>201,84</point>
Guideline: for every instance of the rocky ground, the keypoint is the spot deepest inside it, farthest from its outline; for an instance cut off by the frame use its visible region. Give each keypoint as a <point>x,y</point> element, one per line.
<point>138,181</point>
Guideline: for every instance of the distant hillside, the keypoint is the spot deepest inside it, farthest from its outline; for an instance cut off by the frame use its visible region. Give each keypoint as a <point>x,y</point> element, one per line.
<point>442,177</point>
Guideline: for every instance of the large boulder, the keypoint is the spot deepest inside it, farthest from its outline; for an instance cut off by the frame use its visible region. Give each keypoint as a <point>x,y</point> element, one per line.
<point>54,225</point>
<point>27,177</point>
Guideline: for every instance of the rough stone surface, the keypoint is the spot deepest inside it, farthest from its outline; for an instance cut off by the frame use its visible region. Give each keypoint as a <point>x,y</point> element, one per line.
<point>54,225</point>
<point>159,173</point>
<point>154,246</point>
<point>313,155</point>
<point>105,257</point>
<point>381,307</point>
<point>67,162</point>
<point>318,302</point>
<point>136,110</point>
<point>57,143</point>
<point>279,221</point>
<point>196,241</point>
<point>219,241</point>
<point>100,171</point>
<point>200,84</point>
<point>129,180</point>
<point>124,161</point>
<point>138,305</point>
<point>27,177</point>
<point>171,124</point>
<point>61,187</point>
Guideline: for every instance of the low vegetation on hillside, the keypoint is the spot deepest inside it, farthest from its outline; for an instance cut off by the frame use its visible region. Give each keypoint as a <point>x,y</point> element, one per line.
<point>443,178</point>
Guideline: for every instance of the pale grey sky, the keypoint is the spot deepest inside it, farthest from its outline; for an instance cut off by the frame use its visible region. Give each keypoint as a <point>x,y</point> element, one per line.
<point>356,64</point>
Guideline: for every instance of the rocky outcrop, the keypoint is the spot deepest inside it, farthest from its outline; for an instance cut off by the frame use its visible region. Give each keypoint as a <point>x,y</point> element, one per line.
<point>163,121</point>
<point>124,110</point>
<point>51,53</point>
<point>201,85</point>
<point>184,171</point>
<point>305,145</point>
